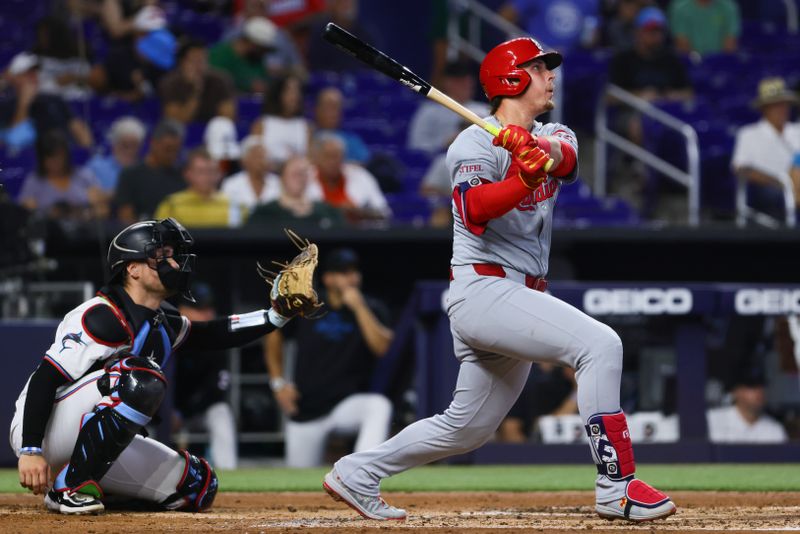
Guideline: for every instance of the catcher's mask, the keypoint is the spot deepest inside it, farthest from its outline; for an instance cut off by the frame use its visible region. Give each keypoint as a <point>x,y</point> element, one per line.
<point>150,240</point>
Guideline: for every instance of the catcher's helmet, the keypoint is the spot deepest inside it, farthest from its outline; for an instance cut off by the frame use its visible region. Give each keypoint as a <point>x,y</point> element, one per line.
<point>142,240</point>
<point>502,65</point>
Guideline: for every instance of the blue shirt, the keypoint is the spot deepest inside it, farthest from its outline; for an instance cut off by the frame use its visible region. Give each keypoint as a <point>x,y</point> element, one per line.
<point>106,169</point>
<point>354,147</point>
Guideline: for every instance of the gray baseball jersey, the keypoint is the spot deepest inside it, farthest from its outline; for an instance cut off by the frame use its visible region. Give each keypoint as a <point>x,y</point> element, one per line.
<point>520,239</point>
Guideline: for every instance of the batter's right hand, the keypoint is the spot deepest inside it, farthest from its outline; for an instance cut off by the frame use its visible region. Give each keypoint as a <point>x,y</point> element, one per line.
<point>34,473</point>
<point>287,398</point>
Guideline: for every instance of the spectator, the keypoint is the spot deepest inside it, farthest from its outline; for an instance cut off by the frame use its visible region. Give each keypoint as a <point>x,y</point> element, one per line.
<point>283,128</point>
<point>63,70</point>
<point>26,113</point>
<point>202,382</point>
<point>328,116</point>
<point>437,189</point>
<point>550,390</point>
<point>293,205</point>
<point>119,17</point>
<point>323,56</point>
<point>433,127</point>
<point>126,136</point>
<point>764,151</point>
<point>254,184</point>
<point>335,358</point>
<point>745,420</point>
<point>58,190</point>
<point>650,69</point>
<point>559,24</point>
<point>620,30</point>
<point>284,58</point>
<point>222,139</point>
<point>193,92</point>
<point>294,13</point>
<point>133,68</point>
<point>705,26</point>
<point>243,56</point>
<point>347,186</point>
<point>200,204</point>
<point>142,186</point>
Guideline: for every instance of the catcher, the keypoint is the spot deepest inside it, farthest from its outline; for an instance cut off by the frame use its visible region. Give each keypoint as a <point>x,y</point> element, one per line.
<point>83,409</point>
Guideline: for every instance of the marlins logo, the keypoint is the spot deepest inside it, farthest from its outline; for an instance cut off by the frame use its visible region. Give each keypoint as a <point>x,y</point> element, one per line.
<point>76,337</point>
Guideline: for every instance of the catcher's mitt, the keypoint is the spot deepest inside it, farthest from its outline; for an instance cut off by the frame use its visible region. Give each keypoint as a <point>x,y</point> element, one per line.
<point>292,290</point>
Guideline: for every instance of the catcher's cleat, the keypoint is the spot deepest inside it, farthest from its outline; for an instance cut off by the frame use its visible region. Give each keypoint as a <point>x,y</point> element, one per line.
<point>368,506</point>
<point>74,503</point>
<point>641,502</point>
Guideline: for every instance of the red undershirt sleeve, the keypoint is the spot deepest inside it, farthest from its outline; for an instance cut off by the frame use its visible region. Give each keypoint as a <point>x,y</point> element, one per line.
<point>477,205</point>
<point>568,161</point>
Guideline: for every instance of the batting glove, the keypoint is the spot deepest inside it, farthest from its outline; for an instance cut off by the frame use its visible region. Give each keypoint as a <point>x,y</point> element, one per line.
<point>514,139</point>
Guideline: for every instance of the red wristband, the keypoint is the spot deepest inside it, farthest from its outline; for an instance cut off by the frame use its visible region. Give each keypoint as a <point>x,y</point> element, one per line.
<point>568,161</point>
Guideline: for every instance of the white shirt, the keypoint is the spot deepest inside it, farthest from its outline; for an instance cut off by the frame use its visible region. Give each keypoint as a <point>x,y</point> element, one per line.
<point>239,190</point>
<point>761,147</point>
<point>284,137</point>
<point>221,140</point>
<point>433,127</point>
<point>362,189</point>
<point>726,425</point>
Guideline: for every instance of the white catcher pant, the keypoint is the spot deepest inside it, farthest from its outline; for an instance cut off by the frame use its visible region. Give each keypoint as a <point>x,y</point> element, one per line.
<point>499,327</point>
<point>366,415</point>
<point>146,469</point>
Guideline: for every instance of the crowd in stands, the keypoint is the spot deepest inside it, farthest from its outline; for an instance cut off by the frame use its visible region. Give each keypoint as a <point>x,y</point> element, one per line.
<point>258,78</point>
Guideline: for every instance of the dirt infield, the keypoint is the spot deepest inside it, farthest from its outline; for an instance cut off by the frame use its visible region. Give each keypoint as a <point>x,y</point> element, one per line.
<point>460,513</point>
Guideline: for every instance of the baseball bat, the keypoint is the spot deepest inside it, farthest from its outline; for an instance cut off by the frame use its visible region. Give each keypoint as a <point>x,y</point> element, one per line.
<point>379,61</point>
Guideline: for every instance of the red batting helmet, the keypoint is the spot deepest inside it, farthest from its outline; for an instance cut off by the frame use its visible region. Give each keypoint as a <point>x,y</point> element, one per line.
<point>502,65</point>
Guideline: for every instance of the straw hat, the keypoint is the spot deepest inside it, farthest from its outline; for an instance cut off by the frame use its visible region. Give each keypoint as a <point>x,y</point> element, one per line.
<point>773,91</point>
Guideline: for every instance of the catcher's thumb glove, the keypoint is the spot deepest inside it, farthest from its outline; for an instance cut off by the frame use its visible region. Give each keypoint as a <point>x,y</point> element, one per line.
<point>292,290</point>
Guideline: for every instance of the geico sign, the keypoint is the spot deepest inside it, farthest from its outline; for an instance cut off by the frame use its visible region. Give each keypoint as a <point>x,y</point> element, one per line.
<point>646,301</point>
<point>767,301</point>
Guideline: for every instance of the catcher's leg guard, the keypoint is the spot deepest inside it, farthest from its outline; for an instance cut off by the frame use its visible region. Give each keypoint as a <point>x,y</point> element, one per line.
<point>108,430</point>
<point>611,445</point>
<point>197,488</point>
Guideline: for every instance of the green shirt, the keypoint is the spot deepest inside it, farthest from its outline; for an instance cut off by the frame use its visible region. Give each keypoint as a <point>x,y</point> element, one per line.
<point>705,26</point>
<point>272,213</point>
<point>243,72</point>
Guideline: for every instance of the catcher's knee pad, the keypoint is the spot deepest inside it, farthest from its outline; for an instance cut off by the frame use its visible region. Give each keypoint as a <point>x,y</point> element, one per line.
<point>197,488</point>
<point>612,449</point>
<point>139,390</point>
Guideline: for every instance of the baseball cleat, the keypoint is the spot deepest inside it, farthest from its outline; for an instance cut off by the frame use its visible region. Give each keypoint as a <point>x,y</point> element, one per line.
<point>75,503</point>
<point>368,506</point>
<point>641,502</point>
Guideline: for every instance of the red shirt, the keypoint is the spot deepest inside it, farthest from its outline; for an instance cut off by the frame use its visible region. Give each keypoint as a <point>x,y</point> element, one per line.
<point>335,194</point>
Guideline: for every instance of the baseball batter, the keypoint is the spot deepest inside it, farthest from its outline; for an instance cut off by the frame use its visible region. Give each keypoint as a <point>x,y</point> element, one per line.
<point>501,319</point>
<point>100,383</point>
